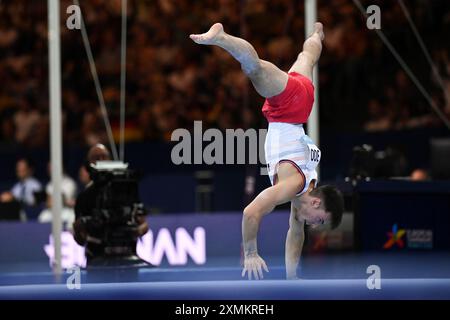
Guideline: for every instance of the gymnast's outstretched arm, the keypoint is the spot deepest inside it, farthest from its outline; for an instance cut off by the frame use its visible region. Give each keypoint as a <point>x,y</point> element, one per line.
<point>289,183</point>
<point>294,243</point>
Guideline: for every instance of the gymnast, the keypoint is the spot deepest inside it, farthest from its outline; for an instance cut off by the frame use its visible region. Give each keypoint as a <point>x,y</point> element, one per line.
<point>291,155</point>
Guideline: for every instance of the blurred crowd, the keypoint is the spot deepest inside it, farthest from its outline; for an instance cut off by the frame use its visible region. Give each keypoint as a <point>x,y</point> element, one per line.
<point>29,199</point>
<point>171,81</point>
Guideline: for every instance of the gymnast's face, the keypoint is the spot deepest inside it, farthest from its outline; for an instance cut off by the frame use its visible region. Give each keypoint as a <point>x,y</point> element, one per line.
<point>312,211</point>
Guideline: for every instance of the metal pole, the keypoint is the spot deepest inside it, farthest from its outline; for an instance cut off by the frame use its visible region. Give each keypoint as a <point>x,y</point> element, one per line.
<point>55,127</point>
<point>313,121</point>
<point>123,74</point>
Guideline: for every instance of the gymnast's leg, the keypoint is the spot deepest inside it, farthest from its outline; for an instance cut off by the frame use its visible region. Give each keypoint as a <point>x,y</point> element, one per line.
<point>312,49</point>
<point>267,79</point>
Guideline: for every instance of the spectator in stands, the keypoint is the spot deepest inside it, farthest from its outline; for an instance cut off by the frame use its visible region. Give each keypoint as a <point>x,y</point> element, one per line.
<point>26,121</point>
<point>24,190</point>
<point>69,192</point>
<point>173,84</point>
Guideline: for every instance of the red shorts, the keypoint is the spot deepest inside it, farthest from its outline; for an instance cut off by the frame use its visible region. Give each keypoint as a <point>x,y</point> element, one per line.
<point>294,104</point>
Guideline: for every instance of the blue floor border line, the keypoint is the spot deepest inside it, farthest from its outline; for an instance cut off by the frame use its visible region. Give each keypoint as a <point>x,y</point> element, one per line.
<point>326,289</point>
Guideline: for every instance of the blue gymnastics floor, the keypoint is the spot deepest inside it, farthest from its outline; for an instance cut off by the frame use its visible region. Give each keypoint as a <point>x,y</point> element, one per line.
<point>418,275</point>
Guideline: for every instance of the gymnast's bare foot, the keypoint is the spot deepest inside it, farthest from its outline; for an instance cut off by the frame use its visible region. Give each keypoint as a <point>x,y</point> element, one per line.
<point>213,36</point>
<point>318,28</point>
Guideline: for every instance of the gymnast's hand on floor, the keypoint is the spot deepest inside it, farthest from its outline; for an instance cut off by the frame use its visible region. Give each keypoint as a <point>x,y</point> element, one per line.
<point>253,264</point>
